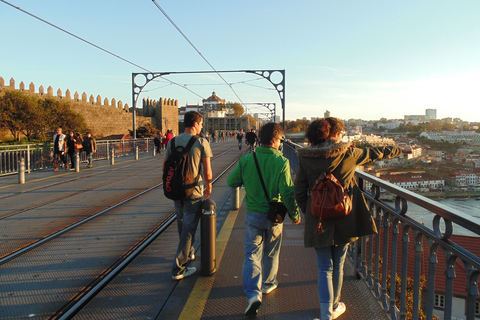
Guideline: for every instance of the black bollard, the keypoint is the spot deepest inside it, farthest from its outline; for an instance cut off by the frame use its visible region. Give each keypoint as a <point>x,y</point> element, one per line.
<point>208,232</point>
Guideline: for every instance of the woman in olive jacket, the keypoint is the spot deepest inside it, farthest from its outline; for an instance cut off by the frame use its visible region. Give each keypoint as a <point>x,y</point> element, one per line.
<point>327,152</point>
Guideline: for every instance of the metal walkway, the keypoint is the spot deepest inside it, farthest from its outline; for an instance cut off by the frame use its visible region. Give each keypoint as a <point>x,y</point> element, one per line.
<point>221,296</point>
<point>145,289</point>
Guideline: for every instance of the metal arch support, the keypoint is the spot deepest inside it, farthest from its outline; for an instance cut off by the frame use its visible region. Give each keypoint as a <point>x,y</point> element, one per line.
<point>137,89</point>
<point>279,86</point>
<point>149,76</point>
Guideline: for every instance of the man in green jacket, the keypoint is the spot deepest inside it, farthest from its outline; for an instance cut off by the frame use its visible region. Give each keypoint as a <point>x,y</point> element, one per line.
<point>263,238</point>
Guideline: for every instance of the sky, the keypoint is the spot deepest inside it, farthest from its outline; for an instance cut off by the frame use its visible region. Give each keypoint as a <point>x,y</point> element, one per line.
<point>357,59</point>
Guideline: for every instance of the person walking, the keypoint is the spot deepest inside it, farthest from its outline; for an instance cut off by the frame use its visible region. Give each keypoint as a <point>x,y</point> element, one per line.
<point>240,135</point>
<point>71,150</point>
<point>251,139</point>
<point>90,147</point>
<point>59,149</point>
<point>327,153</point>
<point>189,210</point>
<point>263,238</point>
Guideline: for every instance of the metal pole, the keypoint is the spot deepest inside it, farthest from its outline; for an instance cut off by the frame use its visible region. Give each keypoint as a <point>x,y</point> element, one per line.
<point>21,171</point>
<point>235,198</point>
<point>208,238</point>
<point>112,156</point>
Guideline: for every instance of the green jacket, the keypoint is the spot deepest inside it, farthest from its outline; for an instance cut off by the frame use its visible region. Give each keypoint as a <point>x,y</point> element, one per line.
<point>276,175</point>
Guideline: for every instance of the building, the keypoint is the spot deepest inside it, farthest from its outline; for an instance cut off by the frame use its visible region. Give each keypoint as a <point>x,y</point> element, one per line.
<point>415,181</point>
<point>188,108</point>
<point>464,179</point>
<point>430,114</point>
<point>214,106</point>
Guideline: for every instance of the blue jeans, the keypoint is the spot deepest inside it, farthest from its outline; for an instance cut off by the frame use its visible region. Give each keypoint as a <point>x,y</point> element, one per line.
<point>330,261</point>
<point>188,214</point>
<point>263,240</point>
<point>89,155</point>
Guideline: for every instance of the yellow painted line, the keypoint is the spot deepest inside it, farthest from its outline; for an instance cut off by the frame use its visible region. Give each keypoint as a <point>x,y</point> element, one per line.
<point>199,296</point>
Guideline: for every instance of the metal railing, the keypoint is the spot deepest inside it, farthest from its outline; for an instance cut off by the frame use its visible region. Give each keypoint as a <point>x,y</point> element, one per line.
<point>389,255</point>
<point>39,157</point>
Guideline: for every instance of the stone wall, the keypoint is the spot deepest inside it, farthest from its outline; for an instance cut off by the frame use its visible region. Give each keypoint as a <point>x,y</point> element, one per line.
<point>105,118</point>
<point>164,114</point>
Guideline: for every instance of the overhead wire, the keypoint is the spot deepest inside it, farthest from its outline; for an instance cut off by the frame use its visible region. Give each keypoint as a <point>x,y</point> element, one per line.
<point>195,48</point>
<point>94,45</point>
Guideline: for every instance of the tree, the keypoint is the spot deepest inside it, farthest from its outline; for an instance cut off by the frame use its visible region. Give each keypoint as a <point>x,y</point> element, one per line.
<point>17,110</point>
<point>235,108</point>
<point>146,131</point>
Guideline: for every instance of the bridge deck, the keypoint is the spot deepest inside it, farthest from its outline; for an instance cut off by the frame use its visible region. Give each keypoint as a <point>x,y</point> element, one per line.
<point>145,289</point>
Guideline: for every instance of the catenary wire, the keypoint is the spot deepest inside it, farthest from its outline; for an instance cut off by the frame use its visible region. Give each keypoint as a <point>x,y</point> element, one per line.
<point>94,45</point>
<point>195,48</point>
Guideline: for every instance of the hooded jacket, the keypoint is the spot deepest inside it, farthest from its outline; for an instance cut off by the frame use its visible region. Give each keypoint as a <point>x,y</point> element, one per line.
<point>275,171</point>
<point>344,159</point>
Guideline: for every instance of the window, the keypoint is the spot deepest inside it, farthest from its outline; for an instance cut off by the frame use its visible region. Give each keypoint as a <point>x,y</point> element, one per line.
<point>439,301</point>
<point>477,308</point>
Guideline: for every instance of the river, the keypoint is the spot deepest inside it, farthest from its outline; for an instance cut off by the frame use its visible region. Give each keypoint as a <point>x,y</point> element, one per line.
<point>470,207</point>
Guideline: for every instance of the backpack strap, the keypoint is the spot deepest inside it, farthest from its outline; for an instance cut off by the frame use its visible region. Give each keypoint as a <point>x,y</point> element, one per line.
<point>261,178</point>
<point>187,148</point>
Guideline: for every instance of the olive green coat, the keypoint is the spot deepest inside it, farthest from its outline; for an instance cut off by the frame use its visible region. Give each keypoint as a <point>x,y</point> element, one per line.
<point>346,158</point>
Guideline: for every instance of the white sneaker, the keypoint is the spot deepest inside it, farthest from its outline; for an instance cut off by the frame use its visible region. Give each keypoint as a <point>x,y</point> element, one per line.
<point>190,271</point>
<point>252,308</point>
<point>341,308</point>
<point>269,289</point>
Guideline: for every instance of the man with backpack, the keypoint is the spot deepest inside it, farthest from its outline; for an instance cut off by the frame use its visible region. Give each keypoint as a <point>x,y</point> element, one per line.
<point>187,156</point>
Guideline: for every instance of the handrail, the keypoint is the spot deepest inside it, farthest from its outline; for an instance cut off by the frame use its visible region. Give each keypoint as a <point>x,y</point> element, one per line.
<point>40,156</point>
<point>389,254</point>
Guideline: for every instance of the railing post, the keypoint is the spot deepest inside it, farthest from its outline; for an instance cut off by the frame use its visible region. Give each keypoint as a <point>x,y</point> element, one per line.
<point>28,164</point>
<point>21,171</point>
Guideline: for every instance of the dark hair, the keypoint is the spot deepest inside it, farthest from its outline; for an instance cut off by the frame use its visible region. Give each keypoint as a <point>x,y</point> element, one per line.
<point>269,132</point>
<point>323,129</point>
<point>191,117</point>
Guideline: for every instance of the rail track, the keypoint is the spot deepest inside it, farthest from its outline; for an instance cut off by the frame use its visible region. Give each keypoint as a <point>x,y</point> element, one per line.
<point>93,225</point>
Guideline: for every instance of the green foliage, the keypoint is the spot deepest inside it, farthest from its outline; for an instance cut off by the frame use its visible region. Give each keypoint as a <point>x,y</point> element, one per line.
<point>146,131</point>
<point>235,108</point>
<point>37,117</point>
<point>296,126</point>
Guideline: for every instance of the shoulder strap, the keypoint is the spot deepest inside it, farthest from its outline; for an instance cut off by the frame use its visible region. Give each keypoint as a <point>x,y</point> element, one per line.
<point>261,178</point>
<point>187,148</point>
<point>190,143</point>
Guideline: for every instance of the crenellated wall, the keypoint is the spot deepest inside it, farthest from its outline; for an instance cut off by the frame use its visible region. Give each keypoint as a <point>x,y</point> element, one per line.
<point>105,118</point>
<point>164,114</point>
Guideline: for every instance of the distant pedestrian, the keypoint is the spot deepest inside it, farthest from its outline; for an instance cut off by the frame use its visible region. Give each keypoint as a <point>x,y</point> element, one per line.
<point>90,147</point>
<point>240,136</point>
<point>327,153</point>
<point>59,149</point>
<point>251,139</point>
<point>158,142</point>
<point>263,238</point>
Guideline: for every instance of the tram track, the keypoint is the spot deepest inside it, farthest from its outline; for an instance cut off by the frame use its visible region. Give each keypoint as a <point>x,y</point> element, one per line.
<point>41,239</point>
<point>124,257</point>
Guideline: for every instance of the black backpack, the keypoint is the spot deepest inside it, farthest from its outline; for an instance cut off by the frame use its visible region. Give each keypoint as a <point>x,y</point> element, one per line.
<point>178,179</point>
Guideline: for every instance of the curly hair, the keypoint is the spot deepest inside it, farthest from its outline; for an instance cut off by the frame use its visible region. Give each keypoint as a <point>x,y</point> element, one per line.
<point>323,129</point>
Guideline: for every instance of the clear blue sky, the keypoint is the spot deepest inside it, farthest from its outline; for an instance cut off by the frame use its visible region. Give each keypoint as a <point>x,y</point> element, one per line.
<point>357,59</point>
